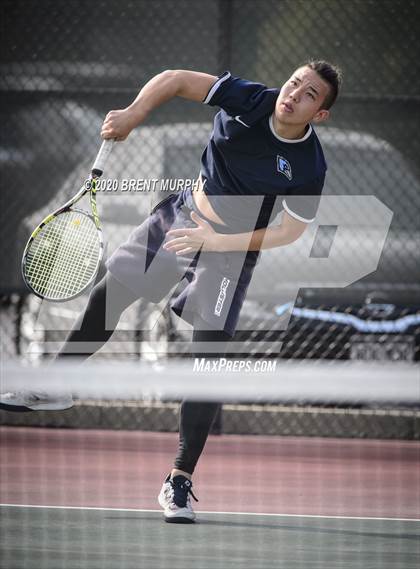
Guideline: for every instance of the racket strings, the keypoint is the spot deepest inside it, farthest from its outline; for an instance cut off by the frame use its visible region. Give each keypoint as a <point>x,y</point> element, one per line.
<point>54,274</point>
<point>64,256</point>
<point>51,281</point>
<point>44,273</point>
<point>53,245</point>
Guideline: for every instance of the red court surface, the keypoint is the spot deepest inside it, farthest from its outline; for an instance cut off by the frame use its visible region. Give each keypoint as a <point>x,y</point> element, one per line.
<point>253,474</point>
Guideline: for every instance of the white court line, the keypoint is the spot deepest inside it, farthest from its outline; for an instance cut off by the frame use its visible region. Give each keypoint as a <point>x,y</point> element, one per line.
<point>139,510</point>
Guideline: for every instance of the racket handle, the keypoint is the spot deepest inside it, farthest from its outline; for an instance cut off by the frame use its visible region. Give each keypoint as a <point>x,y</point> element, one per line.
<point>102,157</point>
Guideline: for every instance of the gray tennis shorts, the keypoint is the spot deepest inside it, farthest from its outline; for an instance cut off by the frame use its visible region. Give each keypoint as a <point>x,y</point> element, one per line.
<point>215,282</point>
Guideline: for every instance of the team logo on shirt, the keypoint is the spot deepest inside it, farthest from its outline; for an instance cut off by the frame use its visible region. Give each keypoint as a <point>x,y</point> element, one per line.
<point>283,166</point>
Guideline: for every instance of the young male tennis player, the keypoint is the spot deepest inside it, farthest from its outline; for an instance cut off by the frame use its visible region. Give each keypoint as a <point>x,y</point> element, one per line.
<point>263,146</point>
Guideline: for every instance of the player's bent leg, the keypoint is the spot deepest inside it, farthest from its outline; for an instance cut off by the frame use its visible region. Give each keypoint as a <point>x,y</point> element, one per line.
<point>93,328</point>
<point>196,419</point>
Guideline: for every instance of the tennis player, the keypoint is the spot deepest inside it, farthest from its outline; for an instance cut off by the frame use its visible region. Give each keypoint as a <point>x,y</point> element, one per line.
<point>263,158</point>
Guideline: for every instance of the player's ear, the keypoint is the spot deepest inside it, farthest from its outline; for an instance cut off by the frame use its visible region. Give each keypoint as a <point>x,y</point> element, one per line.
<point>321,115</point>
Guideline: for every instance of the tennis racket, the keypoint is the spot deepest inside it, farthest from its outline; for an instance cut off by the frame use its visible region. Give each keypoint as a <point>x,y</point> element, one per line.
<point>63,254</point>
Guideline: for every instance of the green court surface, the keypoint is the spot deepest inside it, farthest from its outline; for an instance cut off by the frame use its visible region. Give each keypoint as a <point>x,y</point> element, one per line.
<point>76,538</point>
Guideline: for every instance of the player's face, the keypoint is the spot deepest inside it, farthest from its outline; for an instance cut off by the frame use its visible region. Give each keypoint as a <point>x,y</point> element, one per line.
<point>301,98</point>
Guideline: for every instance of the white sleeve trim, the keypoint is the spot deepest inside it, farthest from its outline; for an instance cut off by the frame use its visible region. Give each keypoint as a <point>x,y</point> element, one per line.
<point>215,87</point>
<point>295,215</point>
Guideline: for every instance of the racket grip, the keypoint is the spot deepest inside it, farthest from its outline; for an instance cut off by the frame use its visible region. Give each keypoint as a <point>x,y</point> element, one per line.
<point>102,157</point>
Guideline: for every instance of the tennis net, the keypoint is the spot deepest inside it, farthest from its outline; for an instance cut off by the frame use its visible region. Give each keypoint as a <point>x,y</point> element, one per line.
<point>264,397</point>
<point>294,466</point>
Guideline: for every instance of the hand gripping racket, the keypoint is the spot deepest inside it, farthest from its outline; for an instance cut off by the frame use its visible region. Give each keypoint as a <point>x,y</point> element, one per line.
<point>63,254</point>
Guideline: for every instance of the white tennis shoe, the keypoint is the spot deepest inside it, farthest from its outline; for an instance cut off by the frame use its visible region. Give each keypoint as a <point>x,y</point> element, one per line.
<point>31,401</point>
<point>175,500</point>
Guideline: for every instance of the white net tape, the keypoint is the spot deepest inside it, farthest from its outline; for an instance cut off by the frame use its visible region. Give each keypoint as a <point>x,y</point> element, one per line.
<point>326,383</point>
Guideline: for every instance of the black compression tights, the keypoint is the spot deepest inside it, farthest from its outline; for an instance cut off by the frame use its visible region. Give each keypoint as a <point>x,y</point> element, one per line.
<point>93,329</point>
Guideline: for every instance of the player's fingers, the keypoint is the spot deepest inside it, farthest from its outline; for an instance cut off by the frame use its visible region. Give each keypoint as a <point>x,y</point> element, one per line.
<point>175,248</point>
<point>179,242</point>
<point>106,126</point>
<point>197,219</point>
<point>185,251</point>
<point>179,232</point>
<point>107,134</point>
<point>110,131</point>
<point>109,124</point>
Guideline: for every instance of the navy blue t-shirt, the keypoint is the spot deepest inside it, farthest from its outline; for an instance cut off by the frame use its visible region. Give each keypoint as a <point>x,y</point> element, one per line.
<point>245,157</point>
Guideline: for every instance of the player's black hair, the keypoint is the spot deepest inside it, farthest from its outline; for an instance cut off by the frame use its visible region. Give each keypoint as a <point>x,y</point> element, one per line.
<point>329,73</point>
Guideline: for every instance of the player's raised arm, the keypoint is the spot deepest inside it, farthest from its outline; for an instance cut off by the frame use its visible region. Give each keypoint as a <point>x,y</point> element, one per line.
<point>191,85</point>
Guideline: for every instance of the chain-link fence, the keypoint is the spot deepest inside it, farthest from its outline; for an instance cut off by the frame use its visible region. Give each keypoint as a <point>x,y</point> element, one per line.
<point>64,65</point>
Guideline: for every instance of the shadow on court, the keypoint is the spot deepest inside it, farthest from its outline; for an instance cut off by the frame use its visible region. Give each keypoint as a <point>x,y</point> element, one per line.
<point>283,527</point>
